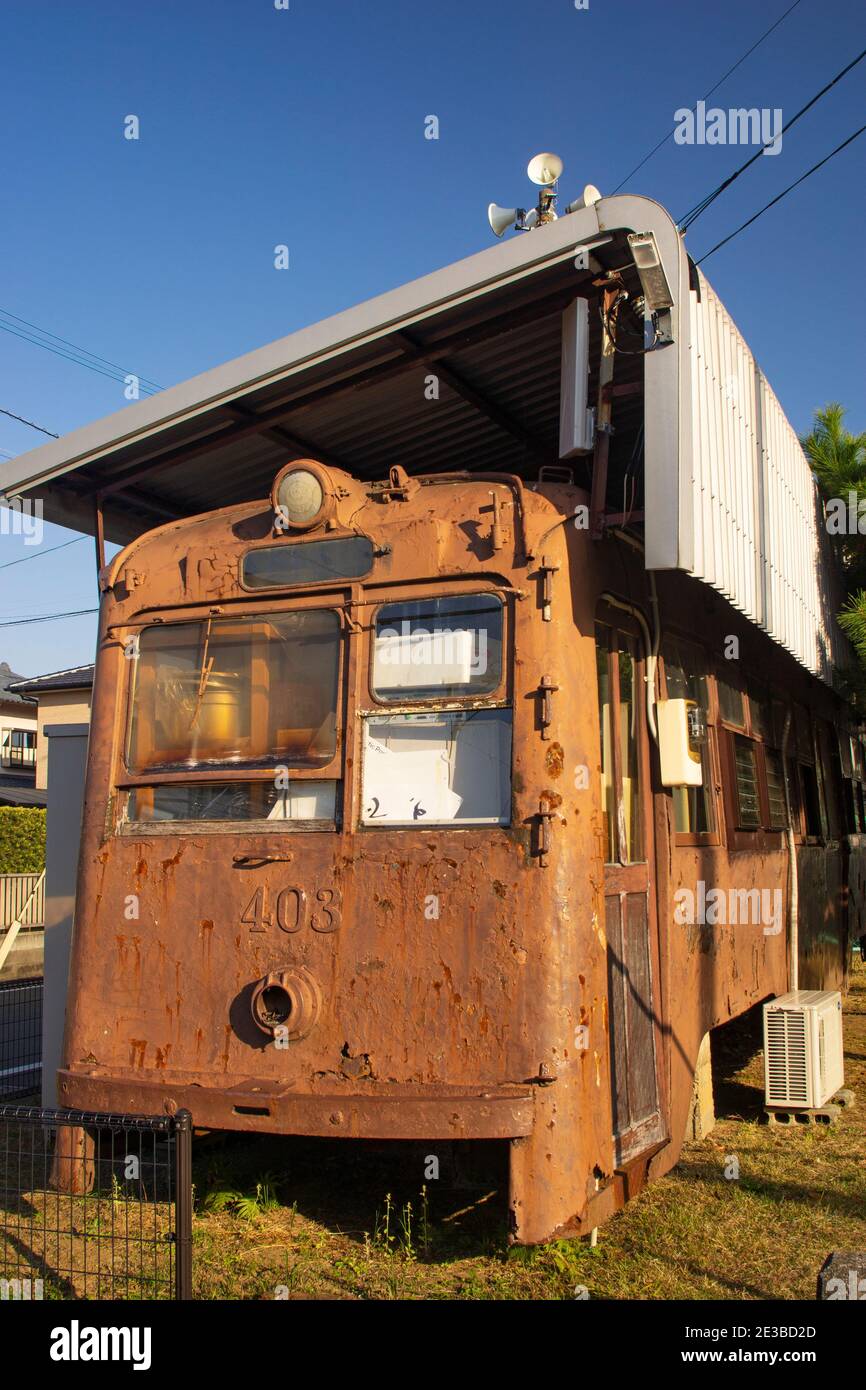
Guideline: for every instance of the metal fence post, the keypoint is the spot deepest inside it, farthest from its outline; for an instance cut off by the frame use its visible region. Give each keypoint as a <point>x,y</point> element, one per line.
<point>95,1204</point>
<point>183,1203</point>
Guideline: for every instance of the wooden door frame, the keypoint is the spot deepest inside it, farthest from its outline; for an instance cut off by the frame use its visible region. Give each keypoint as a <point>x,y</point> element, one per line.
<point>622,878</point>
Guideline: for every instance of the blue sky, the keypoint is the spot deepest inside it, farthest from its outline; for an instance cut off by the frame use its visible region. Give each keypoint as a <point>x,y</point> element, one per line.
<point>261,126</point>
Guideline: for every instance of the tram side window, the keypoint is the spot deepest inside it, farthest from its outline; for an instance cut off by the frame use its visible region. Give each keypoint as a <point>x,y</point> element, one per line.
<point>857,791</point>
<point>731,705</point>
<point>767,724</point>
<point>811,788</point>
<point>775,789</point>
<point>831,776</point>
<point>629,694</point>
<point>686,679</point>
<point>757,771</point>
<point>756,774</point>
<point>842,745</point>
<point>811,800</point>
<point>746,783</point>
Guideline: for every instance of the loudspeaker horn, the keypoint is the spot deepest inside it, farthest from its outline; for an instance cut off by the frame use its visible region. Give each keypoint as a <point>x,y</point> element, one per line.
<point>501,219</point>
<point>544,169</point>
<point>589,196</point>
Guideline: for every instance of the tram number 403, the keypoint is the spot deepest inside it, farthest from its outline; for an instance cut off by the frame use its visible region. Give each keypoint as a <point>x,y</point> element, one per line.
<point>291,910</point>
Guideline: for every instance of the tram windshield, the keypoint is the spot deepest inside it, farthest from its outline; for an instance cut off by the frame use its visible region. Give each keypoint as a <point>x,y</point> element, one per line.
<point>245,691</point>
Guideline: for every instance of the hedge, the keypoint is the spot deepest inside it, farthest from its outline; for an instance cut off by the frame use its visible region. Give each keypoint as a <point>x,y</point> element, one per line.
<point>22,840</point>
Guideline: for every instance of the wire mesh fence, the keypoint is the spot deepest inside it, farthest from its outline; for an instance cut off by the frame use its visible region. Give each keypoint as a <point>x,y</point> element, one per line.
<point>20,1038</point>
<point>94,1206</point>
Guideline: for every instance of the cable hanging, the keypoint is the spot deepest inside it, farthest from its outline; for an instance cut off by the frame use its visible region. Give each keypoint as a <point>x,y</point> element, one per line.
<point>692,216</point>
<point>75,347</point>
<point>708,94</point>
<point>779,196</point>
<point>21,420</point>
<point>38,554</point>
<point>118,375</point>
<point>49,617</point>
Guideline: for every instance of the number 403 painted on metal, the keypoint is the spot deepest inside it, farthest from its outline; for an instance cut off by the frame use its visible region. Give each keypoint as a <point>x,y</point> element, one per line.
<point>292,912</point>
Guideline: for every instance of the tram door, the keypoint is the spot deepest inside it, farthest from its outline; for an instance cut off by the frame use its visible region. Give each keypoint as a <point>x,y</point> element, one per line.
<point>629,891</point>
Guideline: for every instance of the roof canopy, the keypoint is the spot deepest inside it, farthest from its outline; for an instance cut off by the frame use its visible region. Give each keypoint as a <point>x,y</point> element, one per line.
<point>460,370</point>
<point>353,390</point>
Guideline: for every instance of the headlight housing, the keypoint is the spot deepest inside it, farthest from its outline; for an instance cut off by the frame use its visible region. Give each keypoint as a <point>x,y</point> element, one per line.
<point>302,496</point>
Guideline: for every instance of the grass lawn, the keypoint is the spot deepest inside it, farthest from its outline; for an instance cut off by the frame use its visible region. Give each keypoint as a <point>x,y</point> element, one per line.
<point>750,1212</point>
<point>323,1219</point>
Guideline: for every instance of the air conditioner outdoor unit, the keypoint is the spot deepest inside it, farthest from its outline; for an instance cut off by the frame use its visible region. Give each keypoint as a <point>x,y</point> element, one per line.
<point>803,1067</point>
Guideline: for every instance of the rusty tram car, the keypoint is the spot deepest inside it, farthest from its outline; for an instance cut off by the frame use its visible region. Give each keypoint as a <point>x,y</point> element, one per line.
<point>375,840</point>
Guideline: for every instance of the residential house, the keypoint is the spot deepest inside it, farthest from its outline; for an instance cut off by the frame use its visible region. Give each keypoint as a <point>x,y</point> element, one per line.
<point>61,697</point>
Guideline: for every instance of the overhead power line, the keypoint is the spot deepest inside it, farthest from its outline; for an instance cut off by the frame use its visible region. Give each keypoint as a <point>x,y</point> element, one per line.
<point>701,207</point>
<point>49,617</point>
<point>115,375</point>
<point>75,347</point>
<point>708,94</point>
<point>779,196</point>
<point>40,428</point>
<point>37,554</point>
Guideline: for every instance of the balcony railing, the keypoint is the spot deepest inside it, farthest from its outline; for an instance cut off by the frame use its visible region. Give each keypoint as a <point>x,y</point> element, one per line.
<point>17,757</point>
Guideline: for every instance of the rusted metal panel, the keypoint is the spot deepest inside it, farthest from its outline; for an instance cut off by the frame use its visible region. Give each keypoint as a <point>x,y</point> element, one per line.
<point>488,1019</point>
<point>460,1026</point>
<point>381,1112</point>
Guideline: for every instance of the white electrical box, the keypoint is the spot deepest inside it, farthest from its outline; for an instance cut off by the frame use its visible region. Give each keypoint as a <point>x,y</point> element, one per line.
<point>576,422</point>
<point>803,1058</point>
<point>679,723</point>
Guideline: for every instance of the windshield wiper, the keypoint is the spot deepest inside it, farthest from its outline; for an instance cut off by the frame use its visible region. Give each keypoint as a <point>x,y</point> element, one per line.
<point>204,676</point>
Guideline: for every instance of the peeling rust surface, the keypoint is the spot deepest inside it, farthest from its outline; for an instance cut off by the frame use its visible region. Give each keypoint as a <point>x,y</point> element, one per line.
<point>459,1024</point>
<point>554,759</point>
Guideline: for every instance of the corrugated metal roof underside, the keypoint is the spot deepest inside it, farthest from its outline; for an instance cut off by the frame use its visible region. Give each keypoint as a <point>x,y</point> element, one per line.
<point>370,407</point>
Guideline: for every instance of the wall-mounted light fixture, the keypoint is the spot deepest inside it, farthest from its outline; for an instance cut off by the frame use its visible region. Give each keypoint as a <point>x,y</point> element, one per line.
<point>654,282</point>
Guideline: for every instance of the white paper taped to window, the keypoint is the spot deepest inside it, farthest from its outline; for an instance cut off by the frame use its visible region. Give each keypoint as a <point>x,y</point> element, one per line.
<point>407,782</point>
<point>423,658</point>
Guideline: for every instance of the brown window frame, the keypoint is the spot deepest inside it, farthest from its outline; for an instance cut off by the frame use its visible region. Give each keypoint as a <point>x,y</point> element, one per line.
<point>765,837</point>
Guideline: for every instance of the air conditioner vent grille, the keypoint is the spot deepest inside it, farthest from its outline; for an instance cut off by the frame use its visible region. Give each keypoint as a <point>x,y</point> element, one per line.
<point>787,1071</point>
<point>803,1053</point>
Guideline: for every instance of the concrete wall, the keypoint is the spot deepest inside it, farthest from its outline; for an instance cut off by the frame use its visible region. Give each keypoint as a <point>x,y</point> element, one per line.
<point>67,761</point>
<point>58,707</point>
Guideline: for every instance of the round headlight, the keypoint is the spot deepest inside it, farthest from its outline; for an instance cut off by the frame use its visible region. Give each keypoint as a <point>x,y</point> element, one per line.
<point>300,496</point>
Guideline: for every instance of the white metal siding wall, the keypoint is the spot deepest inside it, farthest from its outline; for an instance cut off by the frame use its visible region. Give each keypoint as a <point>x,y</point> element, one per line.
<point>758,527</point>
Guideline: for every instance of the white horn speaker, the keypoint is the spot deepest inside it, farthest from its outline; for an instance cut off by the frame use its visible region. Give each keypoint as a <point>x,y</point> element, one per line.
<point>501,219</point>
<point>544,168</point>
<point>589,196</point>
